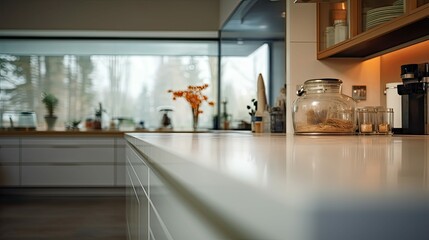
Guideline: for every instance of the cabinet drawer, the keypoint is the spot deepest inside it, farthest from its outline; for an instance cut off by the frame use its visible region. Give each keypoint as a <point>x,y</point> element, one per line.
<point>9,175</point>
<point>157,230</point>
<point>9,154</point>
<point>120,142</point>
<point>74,141</point>
<point>132,205</point>
<point>120,175</point>
<point>171,206</point>
<point>7,141</point>
<point>138,214</point>
<point>85,175</point>
<point>70,154</point>
<point>120,155</point>
<point>140,168</point>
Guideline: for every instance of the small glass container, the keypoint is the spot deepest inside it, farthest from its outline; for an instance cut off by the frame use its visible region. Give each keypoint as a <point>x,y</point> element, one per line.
<point>277,120</point>
<point>321,108</point>
<point>165,117</point>
<point>385,120</point>
<point>366,120</point>
<point>258,125</point>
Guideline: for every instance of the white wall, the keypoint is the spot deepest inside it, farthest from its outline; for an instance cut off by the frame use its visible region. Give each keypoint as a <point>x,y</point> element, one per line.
<point>391,63</point>
<point>110,15</point>
<point>302,63</point>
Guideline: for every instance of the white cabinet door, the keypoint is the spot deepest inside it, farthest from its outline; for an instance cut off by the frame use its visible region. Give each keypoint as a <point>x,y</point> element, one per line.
<point>132,207</point>
<point>9,175</point>
<point>137,207</point>
<point>171,206</point>
<point>70,175</point>
<point>68,150</point>
<point>70,161</point>
<point>120,161</point>
<point>120,175</point>
<point>9,150</point>
<point>140,167</point>
<point>157,227</point>
<point>9,154</point>
<point>67,154</point>
<point>9,161</point>
<point>120,150</point>
<point>170,214</point>
<point>68,141</point>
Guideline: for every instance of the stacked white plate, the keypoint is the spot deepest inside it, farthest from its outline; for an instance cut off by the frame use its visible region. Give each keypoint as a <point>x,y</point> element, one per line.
<point>377,16</point>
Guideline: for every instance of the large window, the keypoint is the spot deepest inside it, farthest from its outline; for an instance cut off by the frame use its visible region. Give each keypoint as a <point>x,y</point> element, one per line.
<point>239,78</point>
<point>129,78</point>
<point>252,42</point>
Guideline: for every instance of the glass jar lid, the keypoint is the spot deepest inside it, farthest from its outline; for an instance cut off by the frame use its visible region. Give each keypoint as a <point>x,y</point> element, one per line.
<point>320,85</point>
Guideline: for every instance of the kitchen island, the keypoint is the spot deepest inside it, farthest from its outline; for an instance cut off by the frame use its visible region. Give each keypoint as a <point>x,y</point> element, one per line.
<point>256,186</point>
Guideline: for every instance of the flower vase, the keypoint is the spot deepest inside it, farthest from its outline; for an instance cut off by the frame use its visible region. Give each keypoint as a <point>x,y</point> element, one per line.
<point>195,119</point>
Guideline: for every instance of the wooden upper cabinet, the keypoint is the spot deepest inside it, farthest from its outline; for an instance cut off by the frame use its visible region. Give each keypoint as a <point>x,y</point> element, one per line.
<point>368,28</point>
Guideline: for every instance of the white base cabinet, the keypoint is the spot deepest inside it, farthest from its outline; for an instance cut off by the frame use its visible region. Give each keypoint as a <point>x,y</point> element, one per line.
<point>9,175</point>
<point>120,144</point>
<point>62,162</point>
<point>156,210</point>
<point>9,162</point>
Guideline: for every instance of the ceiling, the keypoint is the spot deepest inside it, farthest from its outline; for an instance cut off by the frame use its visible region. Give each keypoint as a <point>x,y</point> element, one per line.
<point>256,19</point>
<point>253,23</point>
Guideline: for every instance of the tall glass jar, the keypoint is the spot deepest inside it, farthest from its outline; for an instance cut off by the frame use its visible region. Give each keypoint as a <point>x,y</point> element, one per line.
<point>321,108</point>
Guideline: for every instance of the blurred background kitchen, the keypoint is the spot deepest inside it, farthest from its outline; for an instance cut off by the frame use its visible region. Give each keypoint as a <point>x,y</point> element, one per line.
<point>130,77</point>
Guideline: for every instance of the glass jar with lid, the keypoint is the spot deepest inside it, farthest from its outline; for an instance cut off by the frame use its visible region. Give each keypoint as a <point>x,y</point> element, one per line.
<point>321,108</point>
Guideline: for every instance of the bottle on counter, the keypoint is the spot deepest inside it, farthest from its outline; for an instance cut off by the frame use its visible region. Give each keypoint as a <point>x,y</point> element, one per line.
<point>258,125</point>
<point>266,119</point>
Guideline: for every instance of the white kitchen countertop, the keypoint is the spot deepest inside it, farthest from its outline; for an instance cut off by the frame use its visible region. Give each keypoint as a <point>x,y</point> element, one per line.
<point>302,187</point>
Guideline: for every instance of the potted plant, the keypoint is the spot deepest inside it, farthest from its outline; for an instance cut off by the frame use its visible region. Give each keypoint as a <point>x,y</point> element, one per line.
<point>51,102</point>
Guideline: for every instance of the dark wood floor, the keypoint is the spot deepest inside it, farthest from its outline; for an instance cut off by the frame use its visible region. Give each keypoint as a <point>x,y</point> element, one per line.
<point>62,218</point>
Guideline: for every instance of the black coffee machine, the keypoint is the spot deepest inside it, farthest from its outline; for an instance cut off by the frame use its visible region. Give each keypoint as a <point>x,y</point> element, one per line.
<point>414,92</point>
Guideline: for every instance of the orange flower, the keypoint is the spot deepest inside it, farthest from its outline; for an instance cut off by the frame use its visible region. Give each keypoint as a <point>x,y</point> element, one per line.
<point>194,96</point>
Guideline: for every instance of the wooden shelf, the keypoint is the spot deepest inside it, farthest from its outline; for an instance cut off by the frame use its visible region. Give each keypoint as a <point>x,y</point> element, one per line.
<point>408,29</point>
